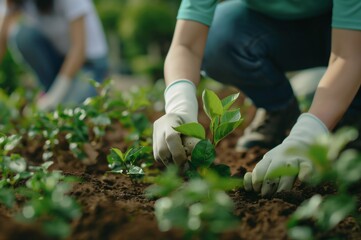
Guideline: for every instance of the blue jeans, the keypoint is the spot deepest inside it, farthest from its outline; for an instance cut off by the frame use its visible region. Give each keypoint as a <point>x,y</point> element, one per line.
<point>38,52</point>
<point>252,52</point>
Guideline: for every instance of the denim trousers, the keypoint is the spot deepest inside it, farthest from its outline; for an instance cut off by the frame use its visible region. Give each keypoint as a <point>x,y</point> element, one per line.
<point>252,51</point>
<point>35,50</point>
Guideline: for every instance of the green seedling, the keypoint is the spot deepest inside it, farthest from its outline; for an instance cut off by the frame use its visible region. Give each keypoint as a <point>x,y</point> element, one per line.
<point>8,143</point>
<point>48,201</point>
<point>223,121</point>
<point>12,166</point>
<point>131,163</point>
<point>336,165</point>
<point>12,169</point>
<point>127,108</point>
<point>200,207</point>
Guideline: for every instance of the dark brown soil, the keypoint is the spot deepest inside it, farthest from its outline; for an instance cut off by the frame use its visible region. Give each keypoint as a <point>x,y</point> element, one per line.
<point>114,208</point>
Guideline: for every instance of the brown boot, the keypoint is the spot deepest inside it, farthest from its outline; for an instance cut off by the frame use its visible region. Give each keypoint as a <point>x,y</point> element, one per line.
<point>269,128</point>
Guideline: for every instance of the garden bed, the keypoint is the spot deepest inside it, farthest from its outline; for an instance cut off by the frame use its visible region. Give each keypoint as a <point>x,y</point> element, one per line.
<point>113,207</point>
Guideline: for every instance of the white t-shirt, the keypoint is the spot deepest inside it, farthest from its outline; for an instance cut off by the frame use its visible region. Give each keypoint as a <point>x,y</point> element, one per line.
<point>56,26</point>
<point>2,9</point>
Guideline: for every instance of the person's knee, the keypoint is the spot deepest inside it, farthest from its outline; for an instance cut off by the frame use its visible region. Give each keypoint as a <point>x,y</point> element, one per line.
<point>230,61</point>
<point>25,38</point>
<point>233,53</point>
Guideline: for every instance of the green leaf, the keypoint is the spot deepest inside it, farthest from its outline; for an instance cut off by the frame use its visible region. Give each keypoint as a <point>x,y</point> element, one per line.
<point>348,166</point>
<point>308,209</point>
<point>119,153</point>
<point>318,155</point>
<point>224,129</point>
<point>283,171</point>
<point>133,154</point>
<point>101,120</point>
<point>300,233</point>
<point>57,228</point>
<point>334,209</point>
<point>203,154</point>
<point>7,197</point>
<point>231,116</point>
<point>165,183</point>
<point>222,170</point>
<point>228,101</point>
<point>214,123</point>
<point>212,105</point>
<point>192,129</point>
<point>135,170</point>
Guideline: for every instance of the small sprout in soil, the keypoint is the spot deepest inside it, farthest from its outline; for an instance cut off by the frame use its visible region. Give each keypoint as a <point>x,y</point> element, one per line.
<point>132,162</point>
<point>223,121</point>
<point>48,202</point>
<point>200,207</point>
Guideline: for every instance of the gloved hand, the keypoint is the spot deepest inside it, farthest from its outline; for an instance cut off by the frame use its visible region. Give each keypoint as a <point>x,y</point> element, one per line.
<point>181,107</point>
<point>304,132</point>
<point>55,94</point>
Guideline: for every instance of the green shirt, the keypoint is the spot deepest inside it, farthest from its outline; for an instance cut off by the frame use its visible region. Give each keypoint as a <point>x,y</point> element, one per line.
<point>346,13</point>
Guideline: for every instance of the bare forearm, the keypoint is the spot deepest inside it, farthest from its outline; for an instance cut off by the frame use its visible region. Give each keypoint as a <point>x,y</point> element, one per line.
<point>186,52</point>
<point>76,55</point>
<point>342,80</point>
<point>182,63</point>
<point>73,62</point>
<point>336,90</point>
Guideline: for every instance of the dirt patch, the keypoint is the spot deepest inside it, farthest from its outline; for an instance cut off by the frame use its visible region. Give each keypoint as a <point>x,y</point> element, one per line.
<point>115,208</point>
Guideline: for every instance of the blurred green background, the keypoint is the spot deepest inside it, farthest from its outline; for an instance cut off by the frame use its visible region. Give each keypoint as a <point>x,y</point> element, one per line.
<point>139,33</point>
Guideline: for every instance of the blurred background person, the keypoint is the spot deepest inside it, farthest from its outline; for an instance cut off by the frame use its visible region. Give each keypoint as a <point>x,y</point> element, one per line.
<point>62,41</point>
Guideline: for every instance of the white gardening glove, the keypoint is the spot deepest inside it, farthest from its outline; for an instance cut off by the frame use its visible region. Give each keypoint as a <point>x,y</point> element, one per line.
<point>55,95</point>
<point>181,107</point>
<point>307,128</point>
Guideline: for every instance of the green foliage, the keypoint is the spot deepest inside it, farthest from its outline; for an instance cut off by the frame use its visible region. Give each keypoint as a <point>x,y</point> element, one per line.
<point>44,193</point>
<point>48,202</point>
<point>12,166</point>
<point>223,121</point>
<point>144,24</point>
<point>110,12</point>
<point>336,165</point>
<point>192,129</point>
<point>9,74</point>
<point>13,169</point>
<point>128,163</point>
<point>200,207</point>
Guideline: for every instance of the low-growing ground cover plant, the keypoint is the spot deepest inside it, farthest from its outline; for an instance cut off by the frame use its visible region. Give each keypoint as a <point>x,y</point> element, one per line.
<point>48,201</point>
<point>43,194</point>
<point>113,206</point>
<point>199,207</point>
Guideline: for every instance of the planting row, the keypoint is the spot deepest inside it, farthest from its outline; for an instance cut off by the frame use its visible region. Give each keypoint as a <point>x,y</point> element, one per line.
<point>192,198</point>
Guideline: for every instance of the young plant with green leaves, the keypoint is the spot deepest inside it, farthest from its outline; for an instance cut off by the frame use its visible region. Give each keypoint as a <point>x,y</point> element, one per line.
<point>335,165</point>
<point>200,207</point>
<point>44,195</point>
<point>48,202</point>
<point>128,108</point>
<point>223,120</point>
<point>132,162</point>
<point>12,166</point>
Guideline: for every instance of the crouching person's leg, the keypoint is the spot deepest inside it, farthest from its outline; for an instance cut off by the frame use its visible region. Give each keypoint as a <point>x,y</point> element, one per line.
<point>81,88</point>
<point>252,52</point>
<point>28,45</point>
